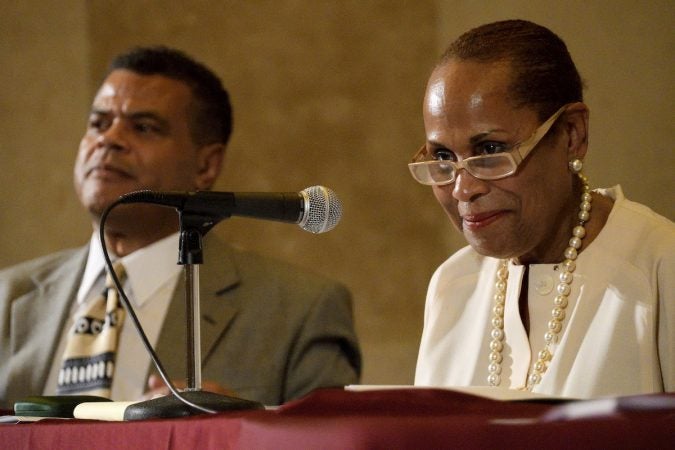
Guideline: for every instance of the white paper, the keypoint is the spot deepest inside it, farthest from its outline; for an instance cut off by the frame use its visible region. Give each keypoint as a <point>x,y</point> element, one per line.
<point>494,393</point>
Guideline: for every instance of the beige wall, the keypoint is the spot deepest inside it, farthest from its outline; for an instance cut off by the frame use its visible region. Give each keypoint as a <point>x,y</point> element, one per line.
<point>324,92</point>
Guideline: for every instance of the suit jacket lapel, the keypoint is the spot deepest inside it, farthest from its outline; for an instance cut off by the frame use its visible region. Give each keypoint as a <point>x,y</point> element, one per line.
<point>54,291</point>
<point>217,275</point>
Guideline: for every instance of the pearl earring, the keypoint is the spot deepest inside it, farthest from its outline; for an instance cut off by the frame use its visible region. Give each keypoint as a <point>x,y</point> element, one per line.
<point>576,165</point>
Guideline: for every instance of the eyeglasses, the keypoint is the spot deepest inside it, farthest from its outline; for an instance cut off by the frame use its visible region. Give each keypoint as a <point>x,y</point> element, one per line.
<point>484,167</point>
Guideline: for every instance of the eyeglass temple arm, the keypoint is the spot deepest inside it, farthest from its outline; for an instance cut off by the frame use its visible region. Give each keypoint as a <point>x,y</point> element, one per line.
<point>421,152</point>
<point>525,147</point>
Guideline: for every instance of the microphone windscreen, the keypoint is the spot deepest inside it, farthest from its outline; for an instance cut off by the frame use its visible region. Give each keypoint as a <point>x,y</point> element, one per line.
<point>323,209</point>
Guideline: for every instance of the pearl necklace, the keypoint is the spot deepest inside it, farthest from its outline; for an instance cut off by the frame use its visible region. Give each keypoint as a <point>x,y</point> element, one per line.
<point>560,301</point>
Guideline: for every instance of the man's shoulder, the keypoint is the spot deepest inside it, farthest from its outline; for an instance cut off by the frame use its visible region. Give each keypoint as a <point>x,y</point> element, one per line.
<point>51,259</point>
<point>277,269</point>
<point>40,266</point>
<point>262,289</point>
<point>286,279</point>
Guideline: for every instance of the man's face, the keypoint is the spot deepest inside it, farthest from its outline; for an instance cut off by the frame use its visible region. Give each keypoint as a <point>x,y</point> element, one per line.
<point>137,137</point>
<point>467,112</point>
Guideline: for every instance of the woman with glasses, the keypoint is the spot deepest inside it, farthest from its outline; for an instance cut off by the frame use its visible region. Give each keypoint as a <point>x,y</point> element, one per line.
<point>563,290</point>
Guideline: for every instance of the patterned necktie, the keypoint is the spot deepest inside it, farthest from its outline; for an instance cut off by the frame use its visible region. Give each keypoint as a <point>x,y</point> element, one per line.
<point>89,357</point>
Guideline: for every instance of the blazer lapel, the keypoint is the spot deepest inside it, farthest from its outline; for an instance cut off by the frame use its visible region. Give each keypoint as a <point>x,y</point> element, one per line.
<point>217,275</point>
<point>39,317</point>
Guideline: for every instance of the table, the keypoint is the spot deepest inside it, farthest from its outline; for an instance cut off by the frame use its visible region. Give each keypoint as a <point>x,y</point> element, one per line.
<point>379,419</point>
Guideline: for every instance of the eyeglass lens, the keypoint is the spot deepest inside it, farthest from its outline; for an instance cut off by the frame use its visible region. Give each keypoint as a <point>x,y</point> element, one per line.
<point>486,167</point>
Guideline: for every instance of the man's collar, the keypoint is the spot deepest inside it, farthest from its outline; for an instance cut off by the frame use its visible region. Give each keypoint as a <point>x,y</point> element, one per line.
<point>147,268</point>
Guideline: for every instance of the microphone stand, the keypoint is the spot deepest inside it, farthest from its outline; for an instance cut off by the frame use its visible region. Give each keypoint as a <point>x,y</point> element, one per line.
<point>192,228</point>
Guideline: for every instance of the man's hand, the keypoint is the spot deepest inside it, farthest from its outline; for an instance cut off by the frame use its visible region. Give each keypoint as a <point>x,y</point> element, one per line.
<point>157,388</point>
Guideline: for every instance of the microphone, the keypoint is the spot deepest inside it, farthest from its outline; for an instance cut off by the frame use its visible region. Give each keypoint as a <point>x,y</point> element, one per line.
<point>316,209</point>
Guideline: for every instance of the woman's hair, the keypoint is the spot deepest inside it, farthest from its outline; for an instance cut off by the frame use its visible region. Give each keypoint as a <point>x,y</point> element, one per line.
<point>211,117</point>
<point>544,75</point>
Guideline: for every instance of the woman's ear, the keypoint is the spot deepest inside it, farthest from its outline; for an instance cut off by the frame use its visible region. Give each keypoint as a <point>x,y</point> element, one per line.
<point>575,121</point>
<point>209,164</point>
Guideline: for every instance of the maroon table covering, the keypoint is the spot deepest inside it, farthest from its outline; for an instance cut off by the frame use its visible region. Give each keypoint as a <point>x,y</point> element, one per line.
<point>387,419</point>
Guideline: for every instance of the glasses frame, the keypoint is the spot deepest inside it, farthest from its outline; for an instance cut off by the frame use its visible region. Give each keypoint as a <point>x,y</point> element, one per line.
<point>516,155</point>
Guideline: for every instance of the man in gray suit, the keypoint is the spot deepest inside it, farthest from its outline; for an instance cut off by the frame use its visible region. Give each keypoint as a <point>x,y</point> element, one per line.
<point>270,332</point>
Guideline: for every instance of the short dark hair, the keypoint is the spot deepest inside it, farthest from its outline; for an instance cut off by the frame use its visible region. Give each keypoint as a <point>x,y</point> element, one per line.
<point>545,76</point>
<point>211,120</point>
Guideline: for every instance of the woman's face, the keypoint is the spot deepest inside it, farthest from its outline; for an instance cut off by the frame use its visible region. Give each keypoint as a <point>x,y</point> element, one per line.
<point>468,112</point>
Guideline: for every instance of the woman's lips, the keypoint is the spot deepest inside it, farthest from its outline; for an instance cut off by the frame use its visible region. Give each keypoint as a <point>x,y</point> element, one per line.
<point>482,220</point>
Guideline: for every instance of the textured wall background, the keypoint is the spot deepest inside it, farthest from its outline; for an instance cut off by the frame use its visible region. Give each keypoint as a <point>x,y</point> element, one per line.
<point>324,92</point>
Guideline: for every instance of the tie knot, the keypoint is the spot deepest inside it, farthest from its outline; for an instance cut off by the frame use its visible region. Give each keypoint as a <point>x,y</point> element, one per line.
<point>119,271</point>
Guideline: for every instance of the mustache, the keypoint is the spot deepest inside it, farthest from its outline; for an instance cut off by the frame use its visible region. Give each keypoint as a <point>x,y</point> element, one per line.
<point>106,161</point>
<point>108,166</point>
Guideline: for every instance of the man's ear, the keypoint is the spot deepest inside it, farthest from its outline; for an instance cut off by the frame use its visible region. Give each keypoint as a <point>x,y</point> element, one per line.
<point>576,123</point>
<point>209,164</point>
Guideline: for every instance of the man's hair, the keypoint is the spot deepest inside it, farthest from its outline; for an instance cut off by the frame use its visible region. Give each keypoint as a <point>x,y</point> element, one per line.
<point>211,113</point>
<point>544,75</point>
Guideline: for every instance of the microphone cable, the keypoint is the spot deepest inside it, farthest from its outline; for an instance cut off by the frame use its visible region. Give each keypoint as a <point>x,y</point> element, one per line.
<point>137,323</point>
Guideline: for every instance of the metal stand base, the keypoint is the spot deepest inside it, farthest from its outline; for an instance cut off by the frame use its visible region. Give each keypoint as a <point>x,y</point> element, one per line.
<point>169,406</point>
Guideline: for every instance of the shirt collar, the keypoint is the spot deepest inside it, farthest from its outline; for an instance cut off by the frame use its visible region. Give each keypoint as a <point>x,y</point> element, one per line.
<point>148,268</point>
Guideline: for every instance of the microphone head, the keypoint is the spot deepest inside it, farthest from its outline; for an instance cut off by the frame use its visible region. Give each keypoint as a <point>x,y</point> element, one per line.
<point>322,210</point>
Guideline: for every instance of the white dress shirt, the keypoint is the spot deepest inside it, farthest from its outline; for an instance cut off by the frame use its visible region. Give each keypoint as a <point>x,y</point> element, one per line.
<point>618,336</point>
<point>152,274</point>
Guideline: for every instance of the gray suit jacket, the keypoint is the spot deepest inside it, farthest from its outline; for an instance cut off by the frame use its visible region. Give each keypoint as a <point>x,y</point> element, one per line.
<point>269,331</point>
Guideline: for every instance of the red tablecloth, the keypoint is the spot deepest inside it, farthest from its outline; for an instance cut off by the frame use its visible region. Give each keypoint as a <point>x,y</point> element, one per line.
<point>388,419</point>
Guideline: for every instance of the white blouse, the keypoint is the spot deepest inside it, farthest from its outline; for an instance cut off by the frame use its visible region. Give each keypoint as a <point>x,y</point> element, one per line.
<point>618,336</point>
